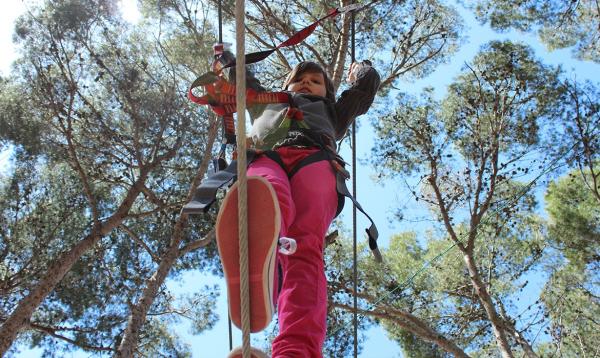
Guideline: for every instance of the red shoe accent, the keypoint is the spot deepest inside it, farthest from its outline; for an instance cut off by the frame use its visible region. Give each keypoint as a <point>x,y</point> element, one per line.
<point>264,220</point>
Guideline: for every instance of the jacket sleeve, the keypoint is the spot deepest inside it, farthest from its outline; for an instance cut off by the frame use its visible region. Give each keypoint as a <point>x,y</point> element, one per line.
<point>356,100</point>
<point>251,82</point>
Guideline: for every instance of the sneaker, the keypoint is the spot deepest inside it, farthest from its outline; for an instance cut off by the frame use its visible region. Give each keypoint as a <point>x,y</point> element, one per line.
<point>264,220</point>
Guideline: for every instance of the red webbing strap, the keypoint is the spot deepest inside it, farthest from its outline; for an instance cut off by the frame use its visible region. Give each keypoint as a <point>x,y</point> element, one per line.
<point>229,128</point>
<point>220,95</point>
<point>208,79</point>
<point>222,100</point>
<point>294,40</point>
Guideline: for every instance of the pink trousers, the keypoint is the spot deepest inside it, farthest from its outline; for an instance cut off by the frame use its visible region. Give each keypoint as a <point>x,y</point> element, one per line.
<point>308,203</point>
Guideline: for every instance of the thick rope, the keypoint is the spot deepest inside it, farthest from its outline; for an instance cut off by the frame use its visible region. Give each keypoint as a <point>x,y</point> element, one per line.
<point>240,80</point>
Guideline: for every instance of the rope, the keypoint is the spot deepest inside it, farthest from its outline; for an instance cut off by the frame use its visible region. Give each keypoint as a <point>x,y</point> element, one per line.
<point>220,17</point>
<point>240,78</point>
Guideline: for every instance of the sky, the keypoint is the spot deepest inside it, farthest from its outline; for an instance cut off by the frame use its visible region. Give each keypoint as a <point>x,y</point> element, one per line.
<point>378,200</point>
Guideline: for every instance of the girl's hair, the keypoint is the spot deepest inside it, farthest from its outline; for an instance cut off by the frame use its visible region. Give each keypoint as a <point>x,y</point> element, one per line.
<point>311,67</point>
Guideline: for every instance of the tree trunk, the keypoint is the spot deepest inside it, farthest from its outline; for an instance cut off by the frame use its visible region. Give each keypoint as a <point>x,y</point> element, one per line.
<point>488,305</point>
<point>139,311</point>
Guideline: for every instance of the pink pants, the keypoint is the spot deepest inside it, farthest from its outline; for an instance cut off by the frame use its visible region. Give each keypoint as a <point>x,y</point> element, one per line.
<point>308,203</point>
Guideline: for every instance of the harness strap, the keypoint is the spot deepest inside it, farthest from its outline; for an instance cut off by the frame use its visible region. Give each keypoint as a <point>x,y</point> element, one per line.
<point>298,36</point>
<point>372,232</point>
<point>206,193</point>
<point>341,174</point>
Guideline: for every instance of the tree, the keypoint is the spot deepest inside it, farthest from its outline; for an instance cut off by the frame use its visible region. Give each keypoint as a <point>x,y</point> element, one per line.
<point>490,120</point>
<point>112,122</point>
<point>578,132</point>
<point>115,146</point>
<point>559,23</point>
<point>574,211</point>
<point>416,35</point>
<point>571,294</point>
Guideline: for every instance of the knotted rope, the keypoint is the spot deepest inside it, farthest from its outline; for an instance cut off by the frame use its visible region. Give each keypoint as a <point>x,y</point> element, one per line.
<point>240,80</point>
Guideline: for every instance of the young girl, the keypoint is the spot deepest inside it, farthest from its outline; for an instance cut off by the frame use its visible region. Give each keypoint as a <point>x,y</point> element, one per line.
<point>299,139</point>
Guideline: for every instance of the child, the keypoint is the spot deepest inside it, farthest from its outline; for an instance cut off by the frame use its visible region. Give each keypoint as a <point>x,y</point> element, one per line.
<point>300,140</point>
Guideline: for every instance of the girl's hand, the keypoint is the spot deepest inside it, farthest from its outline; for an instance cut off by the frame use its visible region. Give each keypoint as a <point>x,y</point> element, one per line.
<point>354,68</point>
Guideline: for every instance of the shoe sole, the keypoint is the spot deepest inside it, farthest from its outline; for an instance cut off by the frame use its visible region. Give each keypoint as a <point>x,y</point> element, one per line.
<point>254,353</point>
<point>264,220</point>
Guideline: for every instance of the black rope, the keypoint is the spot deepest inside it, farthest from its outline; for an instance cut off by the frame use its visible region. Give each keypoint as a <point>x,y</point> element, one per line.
<point>220,27</point>
<point>230,332</point>
<point>220,17</point>
<point>354,236</point>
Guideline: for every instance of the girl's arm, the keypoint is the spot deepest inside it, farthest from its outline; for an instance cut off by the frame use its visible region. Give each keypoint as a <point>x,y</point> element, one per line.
<point>358,98</point>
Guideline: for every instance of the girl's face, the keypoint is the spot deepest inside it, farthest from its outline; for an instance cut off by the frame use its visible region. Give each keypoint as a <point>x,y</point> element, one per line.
<point>309,82</point>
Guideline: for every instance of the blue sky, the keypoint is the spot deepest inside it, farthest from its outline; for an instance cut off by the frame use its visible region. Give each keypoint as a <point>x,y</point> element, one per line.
<point>378,200</point>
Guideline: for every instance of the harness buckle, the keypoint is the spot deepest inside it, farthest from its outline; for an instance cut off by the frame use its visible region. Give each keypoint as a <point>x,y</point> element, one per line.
<point>340,169</point>
<point>287,246</point>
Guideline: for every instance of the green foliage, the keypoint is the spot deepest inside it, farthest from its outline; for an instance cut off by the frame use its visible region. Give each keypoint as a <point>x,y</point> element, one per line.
<point>575,220</point>
<point>95,104</point>
<point>464,158</point>
<point>572,291</point>
<point>415,36</point>
<point>575,136</point>
<point>499,100</point>
<point>414,347</point>
<point>340,321</point>
<point>167,344</point>
<point>400,27</point>
<point>36,202</point>
<point>571,302</point>
<point>18,123</point>
<point>559,23</point>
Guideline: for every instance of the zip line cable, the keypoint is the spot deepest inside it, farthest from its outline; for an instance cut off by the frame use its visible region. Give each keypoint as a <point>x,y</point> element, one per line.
<point>220,41</point>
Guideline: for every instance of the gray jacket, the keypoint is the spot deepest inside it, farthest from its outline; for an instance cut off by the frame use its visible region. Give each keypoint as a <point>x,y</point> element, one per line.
<point>324,122</point>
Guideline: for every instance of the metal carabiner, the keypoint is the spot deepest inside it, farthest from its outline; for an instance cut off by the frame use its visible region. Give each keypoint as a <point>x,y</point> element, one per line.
<point>287,246</point>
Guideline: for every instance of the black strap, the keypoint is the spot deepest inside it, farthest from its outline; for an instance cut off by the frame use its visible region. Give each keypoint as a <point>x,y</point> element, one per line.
<point>312,158</point>
<point>342,189</point>
<point>372,232</point>
<point>206,193</point>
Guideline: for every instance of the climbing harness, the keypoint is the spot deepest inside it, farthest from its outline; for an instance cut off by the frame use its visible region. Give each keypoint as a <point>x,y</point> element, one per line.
<point>207,191</point>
